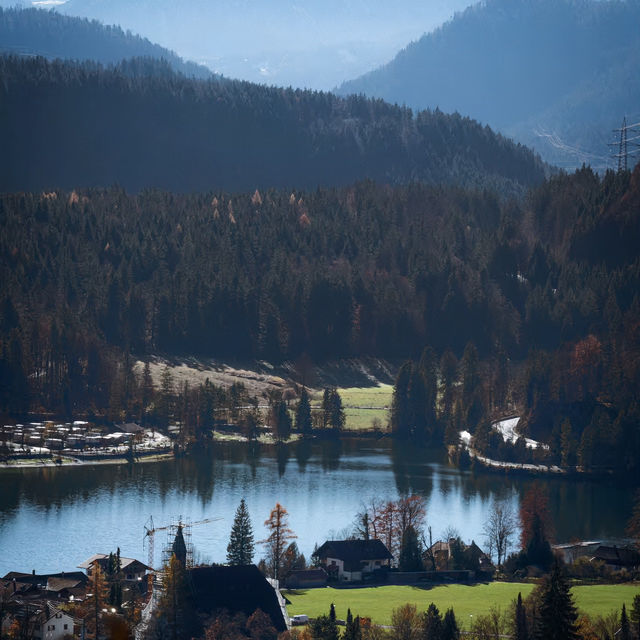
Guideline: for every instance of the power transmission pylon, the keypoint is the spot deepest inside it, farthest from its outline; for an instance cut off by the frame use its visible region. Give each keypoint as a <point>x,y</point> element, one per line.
<point>625,142</point>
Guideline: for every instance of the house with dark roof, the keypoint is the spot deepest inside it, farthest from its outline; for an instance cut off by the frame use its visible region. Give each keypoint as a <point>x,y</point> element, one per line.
<point>131,570</point>
<point>237,589</point>
<point>617,558</point>
<point>130,427</point>
<point>353,560</point>
<point>60,586</point>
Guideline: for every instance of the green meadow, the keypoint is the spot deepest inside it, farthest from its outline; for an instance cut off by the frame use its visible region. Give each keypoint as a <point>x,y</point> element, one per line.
<point>467,601</point>
<point>363,405</point>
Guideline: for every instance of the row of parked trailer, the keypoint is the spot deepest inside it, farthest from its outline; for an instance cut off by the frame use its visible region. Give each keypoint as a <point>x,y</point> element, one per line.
<point>56,437</point>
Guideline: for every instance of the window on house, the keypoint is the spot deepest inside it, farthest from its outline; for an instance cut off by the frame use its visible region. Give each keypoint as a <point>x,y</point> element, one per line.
<point>66,626</point>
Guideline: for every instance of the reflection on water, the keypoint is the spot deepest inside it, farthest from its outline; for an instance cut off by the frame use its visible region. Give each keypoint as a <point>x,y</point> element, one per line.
<point>52,519</point>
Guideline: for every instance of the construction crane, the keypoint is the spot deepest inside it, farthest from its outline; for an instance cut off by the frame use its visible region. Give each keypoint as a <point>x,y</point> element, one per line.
<point>150,531</point>
<point>149,537</point>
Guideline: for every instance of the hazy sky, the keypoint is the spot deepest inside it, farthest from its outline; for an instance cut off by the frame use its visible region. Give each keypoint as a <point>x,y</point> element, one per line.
<point>313,43</point>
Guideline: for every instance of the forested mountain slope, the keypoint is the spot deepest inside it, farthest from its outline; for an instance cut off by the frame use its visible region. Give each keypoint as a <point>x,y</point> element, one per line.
<point>141,125</point>
<point>34,32</point>
<point>557,75</point>
<point>362,270</point>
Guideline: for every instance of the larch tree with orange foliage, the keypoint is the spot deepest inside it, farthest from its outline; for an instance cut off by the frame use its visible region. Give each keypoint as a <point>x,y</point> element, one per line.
<point>280,534</point>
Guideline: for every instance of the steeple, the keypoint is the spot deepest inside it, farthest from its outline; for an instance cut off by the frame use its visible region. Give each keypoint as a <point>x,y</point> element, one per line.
<point>179,548</point>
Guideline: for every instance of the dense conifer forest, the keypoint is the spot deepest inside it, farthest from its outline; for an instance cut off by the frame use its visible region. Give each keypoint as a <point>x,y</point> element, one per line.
<point>140,124</point>
<point>538,297</point>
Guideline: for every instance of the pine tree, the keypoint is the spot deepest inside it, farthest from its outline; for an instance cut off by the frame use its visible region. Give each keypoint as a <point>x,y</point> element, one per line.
<point>352,628</point>
<point>410,551</point>
<point>450,629</point>
<point>625,627</point>
<point>303,413</point>
<point>240,548</point>
<point>431,623</point>
<point>521,632</point>
<point>336,416</point>
<point>635,616</point>
<point>557,614</point>
<point>147,391</point>
<point>400,410</point>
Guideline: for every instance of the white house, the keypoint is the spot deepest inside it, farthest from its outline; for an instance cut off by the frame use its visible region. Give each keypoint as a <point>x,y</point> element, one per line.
<point>54,625</point>
<point>353,560</point>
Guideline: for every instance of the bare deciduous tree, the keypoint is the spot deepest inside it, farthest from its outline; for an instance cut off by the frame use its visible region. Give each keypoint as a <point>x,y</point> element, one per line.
<point>499,529</point>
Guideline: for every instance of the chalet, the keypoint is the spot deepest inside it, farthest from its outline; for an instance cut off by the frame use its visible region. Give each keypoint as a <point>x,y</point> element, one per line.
<point>237,589</point>
<point>353,560</point>
<point>131,570</point>
<point>470,557</point>
<point>53,624</point>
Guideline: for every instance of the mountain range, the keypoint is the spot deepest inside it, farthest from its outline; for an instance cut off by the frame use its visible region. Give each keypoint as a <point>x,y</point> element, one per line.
<point>33,32</point>
<point>299,43</point>
<point>557,75</point>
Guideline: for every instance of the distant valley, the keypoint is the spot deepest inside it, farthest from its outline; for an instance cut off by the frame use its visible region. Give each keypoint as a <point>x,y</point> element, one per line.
<point>306,44</point>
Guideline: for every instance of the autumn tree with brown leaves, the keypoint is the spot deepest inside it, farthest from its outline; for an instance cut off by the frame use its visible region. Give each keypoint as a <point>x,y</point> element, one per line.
<point>276,543</point>
<point>534,513</point>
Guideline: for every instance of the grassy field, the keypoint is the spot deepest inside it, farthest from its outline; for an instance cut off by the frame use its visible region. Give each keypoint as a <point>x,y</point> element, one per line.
<point>362,405</point>
<point>467,601</point>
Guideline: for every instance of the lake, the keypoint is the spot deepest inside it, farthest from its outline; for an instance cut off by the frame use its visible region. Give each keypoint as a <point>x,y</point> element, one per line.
<point>51,519</point>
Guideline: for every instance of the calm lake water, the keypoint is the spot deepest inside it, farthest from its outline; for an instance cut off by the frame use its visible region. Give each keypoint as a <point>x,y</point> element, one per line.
<point>53,519</point>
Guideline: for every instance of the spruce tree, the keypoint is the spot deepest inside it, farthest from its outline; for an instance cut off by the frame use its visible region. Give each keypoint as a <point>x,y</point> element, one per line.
<point>557,613</point>
<point>635,615</point>
<point>410,551</point>
<point>450,629</point>
<point>337,418</point>
<point>240,548</point>
<point>625,627</point>
<point>303,413</point>
<point>521,632</point>
<point>431,623</point>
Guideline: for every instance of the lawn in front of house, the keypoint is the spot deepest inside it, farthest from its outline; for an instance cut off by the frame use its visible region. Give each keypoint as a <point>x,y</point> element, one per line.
<point>467,601</point>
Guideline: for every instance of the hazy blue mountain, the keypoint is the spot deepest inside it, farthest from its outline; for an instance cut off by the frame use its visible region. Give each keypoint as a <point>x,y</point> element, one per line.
<point>556,74</point>
<point>52,35</point>
<point>303,43</point>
